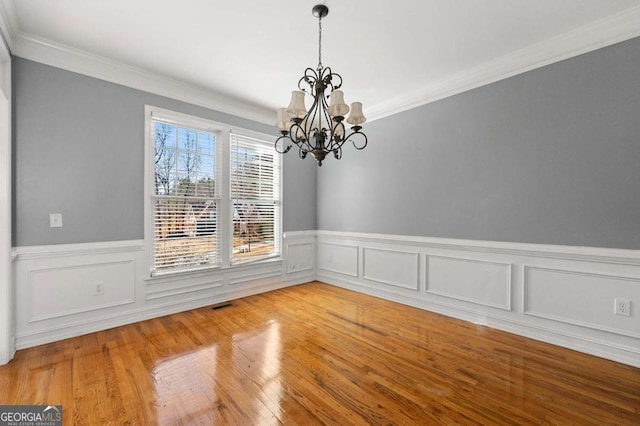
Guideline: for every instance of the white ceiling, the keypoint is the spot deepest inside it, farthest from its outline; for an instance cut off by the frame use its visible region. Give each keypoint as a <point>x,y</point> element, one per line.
<point>245,56</point>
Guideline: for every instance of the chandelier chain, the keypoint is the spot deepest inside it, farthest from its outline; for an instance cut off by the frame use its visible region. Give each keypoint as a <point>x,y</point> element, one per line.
<point>320,42</point>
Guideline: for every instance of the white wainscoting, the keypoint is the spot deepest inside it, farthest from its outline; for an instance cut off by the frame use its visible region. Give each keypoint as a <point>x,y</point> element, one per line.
<point>560,295</point>
<point>56,295</point>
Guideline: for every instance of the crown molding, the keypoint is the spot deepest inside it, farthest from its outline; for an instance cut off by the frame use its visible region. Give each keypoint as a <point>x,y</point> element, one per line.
<point>8,27</point>
<point>613,29</point>
<point>605,32</point>
<point>37,49</point>
<point>8,21</point>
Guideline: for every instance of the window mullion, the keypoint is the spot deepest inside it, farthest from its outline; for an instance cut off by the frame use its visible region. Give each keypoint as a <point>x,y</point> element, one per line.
<point>225,234</point>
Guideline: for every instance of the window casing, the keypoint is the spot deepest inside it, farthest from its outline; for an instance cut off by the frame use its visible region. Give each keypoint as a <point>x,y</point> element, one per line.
<point>212,194</point>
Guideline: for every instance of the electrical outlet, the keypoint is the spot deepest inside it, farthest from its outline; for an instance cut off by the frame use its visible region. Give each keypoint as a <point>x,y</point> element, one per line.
<point>623,307</point>
<point>98,288</point>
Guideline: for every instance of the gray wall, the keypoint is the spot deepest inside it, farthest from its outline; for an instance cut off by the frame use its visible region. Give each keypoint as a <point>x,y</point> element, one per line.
<point>550,156</point>
<point>79,150</point>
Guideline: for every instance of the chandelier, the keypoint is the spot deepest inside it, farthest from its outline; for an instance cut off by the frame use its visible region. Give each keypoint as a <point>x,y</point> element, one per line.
<point>320,130</point>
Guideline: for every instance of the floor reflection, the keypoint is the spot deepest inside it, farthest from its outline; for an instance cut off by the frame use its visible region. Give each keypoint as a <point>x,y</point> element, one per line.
<point>185,384</point>
<point>190,387</point>
<point>263,351</point>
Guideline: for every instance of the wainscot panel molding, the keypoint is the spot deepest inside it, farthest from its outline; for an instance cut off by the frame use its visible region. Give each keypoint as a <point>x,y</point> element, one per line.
<point>49,288</point>
<point>300,256</point>
<point>339,258</point>
<point>584,299</point>
<point>396,268</point>
<point>67,290</point>
<point>557,294</point>
<point>478,281</point>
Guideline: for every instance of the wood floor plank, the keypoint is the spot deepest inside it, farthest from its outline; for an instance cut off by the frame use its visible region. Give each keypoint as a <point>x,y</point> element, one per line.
<point>318,354</point>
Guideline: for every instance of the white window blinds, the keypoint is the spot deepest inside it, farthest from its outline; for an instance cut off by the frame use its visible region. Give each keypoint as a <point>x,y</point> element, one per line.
<point>255,199</point>
<point>184,198</point>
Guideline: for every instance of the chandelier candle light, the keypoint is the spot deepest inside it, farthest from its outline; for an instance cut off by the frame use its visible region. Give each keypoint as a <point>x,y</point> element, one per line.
<point>321,129</point>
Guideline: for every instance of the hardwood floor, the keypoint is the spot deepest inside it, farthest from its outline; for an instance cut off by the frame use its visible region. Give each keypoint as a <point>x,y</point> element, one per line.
<point>314,354</point>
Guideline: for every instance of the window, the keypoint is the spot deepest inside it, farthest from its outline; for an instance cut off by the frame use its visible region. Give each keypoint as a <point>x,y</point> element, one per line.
<point>213,194</point>
<point>255,198</point>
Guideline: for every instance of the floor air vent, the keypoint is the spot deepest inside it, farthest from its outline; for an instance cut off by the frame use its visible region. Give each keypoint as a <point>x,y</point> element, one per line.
<point>221,305</point>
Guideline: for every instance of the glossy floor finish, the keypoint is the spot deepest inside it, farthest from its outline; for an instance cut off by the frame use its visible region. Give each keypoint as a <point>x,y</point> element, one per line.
<point>314,354</point>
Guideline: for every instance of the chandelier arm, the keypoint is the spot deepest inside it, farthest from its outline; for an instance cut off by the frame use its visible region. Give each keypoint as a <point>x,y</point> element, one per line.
<point>302,144</point>
<point>329,79</point>
<point>310,77</point>
<point>329,143</point>
<point>336,86</point>
<point>287,148</point>
<point>337,140</point>
<point>357,132</point>
<point>310,118</point>
<point>325,112</point>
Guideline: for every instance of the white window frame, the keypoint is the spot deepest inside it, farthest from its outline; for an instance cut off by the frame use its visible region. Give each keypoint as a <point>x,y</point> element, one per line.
<point>223,174</point>
<point>278,224</point>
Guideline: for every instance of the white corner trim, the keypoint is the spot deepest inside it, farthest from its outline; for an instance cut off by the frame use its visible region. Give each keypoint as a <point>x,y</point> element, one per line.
<point>613,29</point>
<point>41,50</point>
